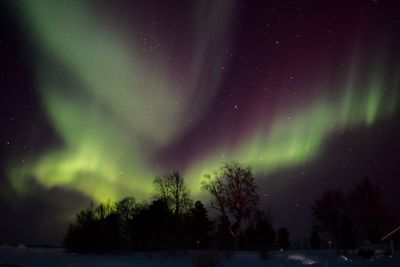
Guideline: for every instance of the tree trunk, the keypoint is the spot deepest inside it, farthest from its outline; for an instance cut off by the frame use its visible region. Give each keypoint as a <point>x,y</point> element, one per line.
<point>236,243</point>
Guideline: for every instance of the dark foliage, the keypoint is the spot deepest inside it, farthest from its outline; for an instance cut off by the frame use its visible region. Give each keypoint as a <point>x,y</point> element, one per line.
<point>260,234</point>
<point>126,209</point>
<point>152,226</point>
<point>283,239</point>
<point>95,230</point>
<point>126,226</point>
<point>353,219</point>
<point>331,215</point>
<point>347,236</point>
<point>368,211</point>
<point>200,226</point>
<point>315,240</point>
<point>222,238</point>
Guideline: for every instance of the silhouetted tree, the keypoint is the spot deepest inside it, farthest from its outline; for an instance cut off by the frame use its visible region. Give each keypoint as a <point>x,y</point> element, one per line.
<point>259,234</point>
<point>220,237</point>
<point>126,210</point>
<point>172,189</point>
<point>200,225</point>
<point>80,233</point>
<point>95,230</point>
<point>234,195</point>
<point>347,236</point>
<point>152,226</point>
<point>283,239</point>
<point>368,211</point>
<point>315,240</point>
<point>363,208</point>
<point>328,212</point>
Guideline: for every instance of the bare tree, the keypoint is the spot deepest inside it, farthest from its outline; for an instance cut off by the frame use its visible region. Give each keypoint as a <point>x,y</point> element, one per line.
<point>171,188</point>
<point>234,195</point>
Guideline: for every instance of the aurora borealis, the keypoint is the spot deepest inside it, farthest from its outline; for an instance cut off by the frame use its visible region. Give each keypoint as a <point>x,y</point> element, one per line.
<point>121,92</point>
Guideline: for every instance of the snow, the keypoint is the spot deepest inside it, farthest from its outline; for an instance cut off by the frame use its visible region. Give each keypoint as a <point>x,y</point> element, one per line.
<point>42,257</point>
<point>303,259</point>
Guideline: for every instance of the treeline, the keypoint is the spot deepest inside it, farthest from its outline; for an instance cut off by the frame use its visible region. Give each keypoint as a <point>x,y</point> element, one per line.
<point>171,220</point>
<point>348,221</point>
<point>128,225</point>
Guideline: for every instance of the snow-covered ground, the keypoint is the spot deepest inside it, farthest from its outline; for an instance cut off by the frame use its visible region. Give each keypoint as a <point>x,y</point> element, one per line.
<point>36,257</point>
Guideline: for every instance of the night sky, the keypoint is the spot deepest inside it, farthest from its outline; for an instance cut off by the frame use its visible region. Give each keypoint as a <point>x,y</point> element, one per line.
<point>98,97</point>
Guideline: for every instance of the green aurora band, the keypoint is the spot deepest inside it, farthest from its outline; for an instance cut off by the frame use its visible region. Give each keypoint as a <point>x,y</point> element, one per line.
<point>106,122</point>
